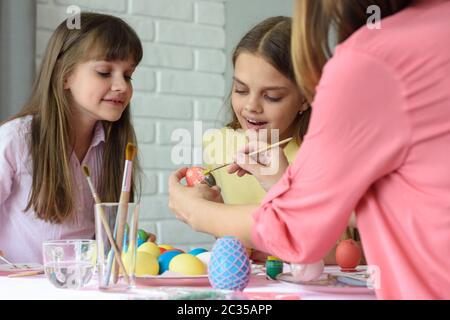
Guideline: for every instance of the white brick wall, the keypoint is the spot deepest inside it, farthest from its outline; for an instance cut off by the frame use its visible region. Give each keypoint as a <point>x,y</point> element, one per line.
<point>180,80</point>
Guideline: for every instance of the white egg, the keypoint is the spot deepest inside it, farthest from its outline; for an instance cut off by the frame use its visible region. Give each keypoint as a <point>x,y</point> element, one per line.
<point>204,257</point>
<point>307,272</point>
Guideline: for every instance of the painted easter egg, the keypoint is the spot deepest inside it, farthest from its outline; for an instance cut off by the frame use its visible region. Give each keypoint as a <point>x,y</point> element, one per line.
<point>204,257</point>
<point>162,250</point>
<point>146,264</point>
<point>197,251</point>
<point>194,175</point>
<point>348,254</point>
<point>274,266</point>
<point>187,264</point>
<point>165,258</point>
<point>307,272</point>
<point>229,267</point>
<point>151,237</point>
<point>142,237</point>
<point>166,246</point>
<point>151,248</point>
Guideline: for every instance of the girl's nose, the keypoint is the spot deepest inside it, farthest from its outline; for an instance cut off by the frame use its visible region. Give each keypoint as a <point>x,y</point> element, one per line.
<point>253,105</point>
<point>119,84</point>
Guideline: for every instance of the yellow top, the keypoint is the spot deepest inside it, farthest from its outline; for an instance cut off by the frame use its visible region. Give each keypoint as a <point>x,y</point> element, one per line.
<point>219,147</point>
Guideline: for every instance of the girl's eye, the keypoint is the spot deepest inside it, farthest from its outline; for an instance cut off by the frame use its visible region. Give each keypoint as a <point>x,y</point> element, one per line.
<point>242,92</point>
<point>103,74</point>
<point>128,78</point>
<point>273,99</point>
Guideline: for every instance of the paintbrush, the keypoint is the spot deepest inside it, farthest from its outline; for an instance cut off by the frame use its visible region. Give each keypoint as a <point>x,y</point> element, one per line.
<point>26,274</point>
<point>103,220</point>
<point>206,172</point>
<point>130,154</point>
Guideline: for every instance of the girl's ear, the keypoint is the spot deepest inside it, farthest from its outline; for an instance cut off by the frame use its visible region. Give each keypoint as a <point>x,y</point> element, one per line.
<point>303,106</point>
<point>66,83</point>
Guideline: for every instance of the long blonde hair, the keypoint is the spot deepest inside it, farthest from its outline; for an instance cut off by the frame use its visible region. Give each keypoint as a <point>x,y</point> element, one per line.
<point>312,24</point>
<point>271,39</point>
<point>100,37</point>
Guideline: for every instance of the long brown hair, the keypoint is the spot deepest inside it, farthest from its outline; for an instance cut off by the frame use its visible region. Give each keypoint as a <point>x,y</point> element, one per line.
<point>100,37</point>
<point>311,30</point>
<point>271,39</point>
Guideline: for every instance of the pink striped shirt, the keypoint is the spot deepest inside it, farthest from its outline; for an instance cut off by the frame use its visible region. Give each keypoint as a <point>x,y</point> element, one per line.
<point>378,142</point>
<point>21,233</point>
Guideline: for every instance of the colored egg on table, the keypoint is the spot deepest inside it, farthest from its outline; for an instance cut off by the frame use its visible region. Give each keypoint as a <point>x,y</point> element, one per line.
<point>151,237</point>
<point>142,237</point>
<point>165,258</point>
<point>204,257</point>
<point>142,234</point>
<point>146,264</point>
<point>162,250</point>
<point>187,264</point>
<point>151,248</point>
<point>229,267</point>
<point>197,251</point>
<point>165,246</point>
<point>348,254</point>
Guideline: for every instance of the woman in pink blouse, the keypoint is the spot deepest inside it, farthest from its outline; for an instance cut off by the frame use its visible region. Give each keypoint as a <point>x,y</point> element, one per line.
<point>377,143</point>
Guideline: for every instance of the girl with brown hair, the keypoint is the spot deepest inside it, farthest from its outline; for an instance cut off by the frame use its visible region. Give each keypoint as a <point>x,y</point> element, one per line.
<point>78,114</point>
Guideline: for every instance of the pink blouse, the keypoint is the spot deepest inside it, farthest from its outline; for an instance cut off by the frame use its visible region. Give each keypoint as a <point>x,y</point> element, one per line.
<point>21,233</point>
<point>379,144</point>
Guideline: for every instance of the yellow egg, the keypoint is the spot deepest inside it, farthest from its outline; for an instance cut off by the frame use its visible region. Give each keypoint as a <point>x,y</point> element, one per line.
<point>146,263</point>
<point>165,246</point>
<point>150,247</point>
<point>187,264</point>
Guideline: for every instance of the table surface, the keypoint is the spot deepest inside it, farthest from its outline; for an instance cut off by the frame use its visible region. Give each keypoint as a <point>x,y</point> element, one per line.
<point>39,288</point>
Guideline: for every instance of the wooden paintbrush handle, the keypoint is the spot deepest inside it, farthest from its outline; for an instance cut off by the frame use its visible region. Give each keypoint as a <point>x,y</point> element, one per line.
<point>117,251</point>
<point>270,146</point>
<point>122,220</point>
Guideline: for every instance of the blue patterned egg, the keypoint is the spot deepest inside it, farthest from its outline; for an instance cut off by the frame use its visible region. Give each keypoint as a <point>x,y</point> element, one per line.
<point>229,266</point>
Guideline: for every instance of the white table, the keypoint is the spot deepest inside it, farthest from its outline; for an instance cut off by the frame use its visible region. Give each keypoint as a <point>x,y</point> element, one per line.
<point>39,288</point>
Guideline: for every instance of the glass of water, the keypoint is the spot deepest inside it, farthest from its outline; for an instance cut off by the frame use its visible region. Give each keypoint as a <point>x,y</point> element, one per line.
<point>69,263</point>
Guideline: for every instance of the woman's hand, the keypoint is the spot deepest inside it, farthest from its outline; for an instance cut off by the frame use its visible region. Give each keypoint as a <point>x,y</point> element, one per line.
<point>268,166</point>
<point>183,199</point>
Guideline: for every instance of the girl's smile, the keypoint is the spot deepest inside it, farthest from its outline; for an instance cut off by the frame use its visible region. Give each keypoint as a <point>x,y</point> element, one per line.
<point>255,124</point>
<point>262,97</point>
